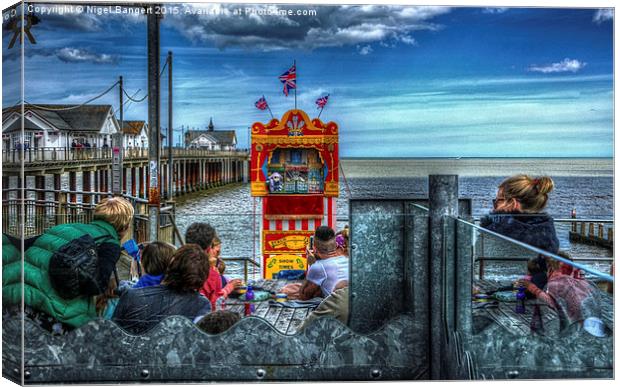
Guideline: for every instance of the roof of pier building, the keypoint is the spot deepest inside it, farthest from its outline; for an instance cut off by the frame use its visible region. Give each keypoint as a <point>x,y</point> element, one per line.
<point>133,127</point>
<point>86,118</point>
<point>221,137</point>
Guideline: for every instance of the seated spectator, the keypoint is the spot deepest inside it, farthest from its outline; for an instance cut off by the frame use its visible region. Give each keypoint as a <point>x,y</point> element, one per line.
<point>43,304</point>
<point>203,235</point>
<point>327,266</point>
<point>218,321</point>
<point>517,212</point>
<point>220,265</point>
<point>575,300</point>
<point>141,309</point>
<point>154,259</point>
<point>335,305</point>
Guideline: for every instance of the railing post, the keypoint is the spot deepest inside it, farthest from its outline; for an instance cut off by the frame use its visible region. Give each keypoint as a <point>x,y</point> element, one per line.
<point>443,202</point>
<point>61,210</point>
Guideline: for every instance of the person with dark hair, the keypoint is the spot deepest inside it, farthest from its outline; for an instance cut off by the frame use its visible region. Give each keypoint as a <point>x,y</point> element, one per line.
<point>154,259</point>
<point>141,309</point>
<point>518,212</point>
<point>328,268</point>
<point>218,321</point>
<point>205,236</point>
<point>201,234</point>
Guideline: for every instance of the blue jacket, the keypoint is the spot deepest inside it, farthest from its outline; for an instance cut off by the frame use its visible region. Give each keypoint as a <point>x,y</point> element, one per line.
<point>534,229</point>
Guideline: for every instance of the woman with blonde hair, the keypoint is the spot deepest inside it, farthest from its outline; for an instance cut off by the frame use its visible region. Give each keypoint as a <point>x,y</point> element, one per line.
<point>518,212</point>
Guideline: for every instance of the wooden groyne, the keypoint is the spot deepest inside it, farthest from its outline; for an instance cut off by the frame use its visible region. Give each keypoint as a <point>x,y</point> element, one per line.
<point>591,232</point>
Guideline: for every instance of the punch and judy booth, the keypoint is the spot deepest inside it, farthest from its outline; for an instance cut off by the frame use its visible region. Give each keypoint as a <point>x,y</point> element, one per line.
<point>294,170</point>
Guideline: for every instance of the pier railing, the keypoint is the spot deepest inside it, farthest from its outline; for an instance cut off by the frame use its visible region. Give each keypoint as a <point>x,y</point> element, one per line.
<point>43,208</point>
<point>42,154</point>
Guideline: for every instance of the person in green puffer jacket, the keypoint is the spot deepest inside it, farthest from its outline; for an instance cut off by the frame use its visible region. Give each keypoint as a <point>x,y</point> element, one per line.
<point>112,219</point>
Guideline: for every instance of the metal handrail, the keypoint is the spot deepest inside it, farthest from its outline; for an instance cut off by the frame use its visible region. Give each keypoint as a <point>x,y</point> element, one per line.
<point>523,259</point>
<point>245,261</point>
<point>594,272</point>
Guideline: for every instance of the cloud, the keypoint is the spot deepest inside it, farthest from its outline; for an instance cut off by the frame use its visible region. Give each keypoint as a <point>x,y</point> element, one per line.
<point>603,15</point>
<point>364,50</point>
<point>65,54</point>
<point>495,10</point>
<point>567,65</point>
<point>77,55</point>
<point>278,27</point>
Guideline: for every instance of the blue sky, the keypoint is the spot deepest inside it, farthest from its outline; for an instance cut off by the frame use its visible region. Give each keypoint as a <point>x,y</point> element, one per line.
<point>403,81</point>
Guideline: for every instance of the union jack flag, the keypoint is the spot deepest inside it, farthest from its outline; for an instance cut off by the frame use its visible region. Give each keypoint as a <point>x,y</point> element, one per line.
<point>289,78</point>
<point>261,103</point>
<point>321,102</point>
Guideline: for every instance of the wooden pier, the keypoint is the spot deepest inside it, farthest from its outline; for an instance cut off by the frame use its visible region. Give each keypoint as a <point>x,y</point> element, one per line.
<point>193,169</point>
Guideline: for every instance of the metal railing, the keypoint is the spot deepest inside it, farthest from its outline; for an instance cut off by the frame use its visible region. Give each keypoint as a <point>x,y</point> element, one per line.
<point>42,154</point>
<point>77,207</point>
<point>514,242</point>
<point>246,261</point>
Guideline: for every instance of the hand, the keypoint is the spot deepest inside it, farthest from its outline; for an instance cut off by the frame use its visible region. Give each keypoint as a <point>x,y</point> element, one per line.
<point>522,282</point>
<point>236,283</point>
<point>311,257</point>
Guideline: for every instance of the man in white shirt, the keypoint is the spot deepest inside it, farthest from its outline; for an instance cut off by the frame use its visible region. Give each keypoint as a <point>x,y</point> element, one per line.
<point>328,269</point>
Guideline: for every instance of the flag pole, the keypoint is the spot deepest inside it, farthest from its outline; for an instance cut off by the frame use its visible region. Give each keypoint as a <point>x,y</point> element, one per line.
<point>295,65</point>
<point>322,107</point>
<point>268,107</point>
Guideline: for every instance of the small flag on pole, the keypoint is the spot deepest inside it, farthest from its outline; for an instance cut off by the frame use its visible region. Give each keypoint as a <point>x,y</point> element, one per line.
<point>289,78</point>
<point>262,103</point>
<point>321,102</point>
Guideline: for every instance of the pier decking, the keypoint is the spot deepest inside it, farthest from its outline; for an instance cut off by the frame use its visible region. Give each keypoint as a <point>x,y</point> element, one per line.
<point>284,320</point>
<point>518,324</point>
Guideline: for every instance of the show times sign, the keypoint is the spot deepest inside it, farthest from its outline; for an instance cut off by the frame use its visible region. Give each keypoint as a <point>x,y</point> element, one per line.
<point>276,263</point>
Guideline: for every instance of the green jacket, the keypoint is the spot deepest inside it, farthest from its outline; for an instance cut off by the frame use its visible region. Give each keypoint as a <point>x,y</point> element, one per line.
<point>38,291</point>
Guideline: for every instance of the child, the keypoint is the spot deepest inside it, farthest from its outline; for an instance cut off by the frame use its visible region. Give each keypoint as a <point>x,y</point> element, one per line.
<point>212,288</point>
<point>218,322</point>
<point>155,258</point>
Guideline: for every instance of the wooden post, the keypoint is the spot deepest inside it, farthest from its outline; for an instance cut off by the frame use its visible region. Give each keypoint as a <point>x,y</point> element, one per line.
<point>591,230</point>
<point>141,180</point>
<point>610,235</point>
<point>86,199</point>
<point>39,223</point>
<point>133,181</point>
<point>124,174</point>
<point>61,210</point>
<point>73,197</point>
<point>583,228</point>
<point>573,214</point>
<point>601,230</point>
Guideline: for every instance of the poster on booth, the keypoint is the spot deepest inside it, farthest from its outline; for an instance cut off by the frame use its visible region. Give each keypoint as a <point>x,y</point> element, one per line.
<point>284,250</point>
<point>276,263</point>
<point>286,241</point>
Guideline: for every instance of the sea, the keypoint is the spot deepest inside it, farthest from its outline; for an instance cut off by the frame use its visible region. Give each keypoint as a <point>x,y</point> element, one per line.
<point>583,184</point>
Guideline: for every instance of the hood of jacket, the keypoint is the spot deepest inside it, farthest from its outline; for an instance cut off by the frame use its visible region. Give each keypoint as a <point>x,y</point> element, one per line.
<point>536,230</point>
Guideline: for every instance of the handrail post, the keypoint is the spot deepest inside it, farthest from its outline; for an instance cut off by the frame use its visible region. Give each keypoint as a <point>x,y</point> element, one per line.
<point>443,202</point>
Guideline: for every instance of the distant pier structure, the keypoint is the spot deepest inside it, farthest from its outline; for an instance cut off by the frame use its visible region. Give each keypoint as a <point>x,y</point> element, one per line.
<point>80,141</point>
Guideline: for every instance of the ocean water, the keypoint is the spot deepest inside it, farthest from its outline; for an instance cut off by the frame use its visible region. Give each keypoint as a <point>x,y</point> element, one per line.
<point>583,184</point>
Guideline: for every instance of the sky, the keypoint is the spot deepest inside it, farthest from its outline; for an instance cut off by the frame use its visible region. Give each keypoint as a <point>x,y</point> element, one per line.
<point>404,81</point>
